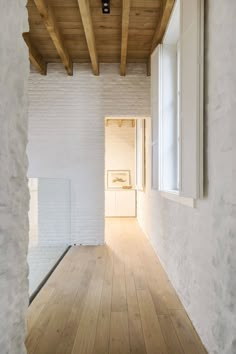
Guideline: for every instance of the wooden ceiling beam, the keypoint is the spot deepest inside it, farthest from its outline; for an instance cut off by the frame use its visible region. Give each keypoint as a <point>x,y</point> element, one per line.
<point>35,57</point>
<point>50,22</point>
<point>86,17</point>
<point>124,39</point>
<point>162,23</point>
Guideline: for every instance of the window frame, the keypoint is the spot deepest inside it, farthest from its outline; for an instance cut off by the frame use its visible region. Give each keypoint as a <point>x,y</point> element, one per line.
<point>178,195</point>
<point>171,38</point>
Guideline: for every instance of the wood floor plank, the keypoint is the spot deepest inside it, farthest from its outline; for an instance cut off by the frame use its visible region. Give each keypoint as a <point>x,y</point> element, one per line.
<point>157,296</point>
<point>170,336</point>
<point>119,333</point>
<point>186,333</point>
<point>66,291</point>
<point>68,336</point>
<point>151,328</point>
<point>42,322</point>
<point>164,297</point>
<point>171,298</point>
<point>38,329</point>
<point>111,299</point>
<point>85,337</point>
<point>139,274</point>
<point>119,300</point>
<point>47,291</point>
<point>38,305</point>
<point>137,344</point>
<point>103,325</point>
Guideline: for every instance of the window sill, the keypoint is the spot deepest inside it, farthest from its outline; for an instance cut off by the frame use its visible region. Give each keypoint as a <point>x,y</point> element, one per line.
<point>175,197</point>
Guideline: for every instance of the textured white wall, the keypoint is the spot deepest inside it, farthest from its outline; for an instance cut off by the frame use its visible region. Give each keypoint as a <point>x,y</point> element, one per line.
<point>14,195</point>
<point>66,133</point>
<point>198,246</point>
<point>120,148</point>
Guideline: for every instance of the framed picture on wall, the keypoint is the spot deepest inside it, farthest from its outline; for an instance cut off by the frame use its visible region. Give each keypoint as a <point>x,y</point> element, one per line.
<point>117,179</point>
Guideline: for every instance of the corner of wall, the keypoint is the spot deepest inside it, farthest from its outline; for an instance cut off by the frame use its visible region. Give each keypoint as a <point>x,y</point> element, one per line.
<point>14,195</point>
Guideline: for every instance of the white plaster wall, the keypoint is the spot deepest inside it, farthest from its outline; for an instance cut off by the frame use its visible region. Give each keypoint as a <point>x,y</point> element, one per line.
<point>67,133</point>
<point>197,246</point>
<point>120,148</point>
<point>14,195</point>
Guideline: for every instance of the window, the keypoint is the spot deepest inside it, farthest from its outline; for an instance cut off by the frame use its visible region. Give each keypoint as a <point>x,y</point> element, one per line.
<point>176,94</point>
<point>169,120</point>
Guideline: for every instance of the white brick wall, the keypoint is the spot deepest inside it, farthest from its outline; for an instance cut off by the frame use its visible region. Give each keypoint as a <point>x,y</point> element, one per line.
<point>54,220</point>
<point>33,212</point>
<point>14,196</point>
<point>41,260</point>
<point>49,214</point>
<point>198,246</point>
<point>120,148</point>
<point>66,133</point>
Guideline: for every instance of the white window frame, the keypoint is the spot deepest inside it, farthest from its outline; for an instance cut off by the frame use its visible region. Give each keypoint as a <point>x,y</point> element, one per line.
<point>177,195</point>
<point>161,133</point>
<point>171,37</point>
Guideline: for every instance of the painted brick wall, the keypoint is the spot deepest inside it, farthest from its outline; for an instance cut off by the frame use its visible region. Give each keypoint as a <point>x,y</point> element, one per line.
<point>66,133</point>
<point>33,212</point>
<point>49,214</point>
<point>120,148</point>
<point>14,195</point>
<point>54,221</point>
<point>198,246</point>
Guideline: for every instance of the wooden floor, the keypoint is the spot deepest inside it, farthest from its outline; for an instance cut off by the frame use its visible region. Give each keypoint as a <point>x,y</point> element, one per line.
<point>110,299</point>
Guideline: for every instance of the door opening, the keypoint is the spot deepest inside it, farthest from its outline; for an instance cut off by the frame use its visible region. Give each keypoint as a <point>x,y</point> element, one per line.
<point>124,165</point>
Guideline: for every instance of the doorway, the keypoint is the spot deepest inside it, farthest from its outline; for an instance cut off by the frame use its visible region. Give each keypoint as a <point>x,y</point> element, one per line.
<point>124,165</point>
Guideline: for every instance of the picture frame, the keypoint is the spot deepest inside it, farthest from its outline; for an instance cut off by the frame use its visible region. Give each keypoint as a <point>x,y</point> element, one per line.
<point>118,179</point>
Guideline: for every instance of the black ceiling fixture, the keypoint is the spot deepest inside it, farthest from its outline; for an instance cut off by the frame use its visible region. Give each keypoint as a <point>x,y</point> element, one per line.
<point>105,6</point>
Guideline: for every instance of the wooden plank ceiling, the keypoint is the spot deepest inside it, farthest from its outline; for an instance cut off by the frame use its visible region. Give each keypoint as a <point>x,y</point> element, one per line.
<point>76,31</point>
